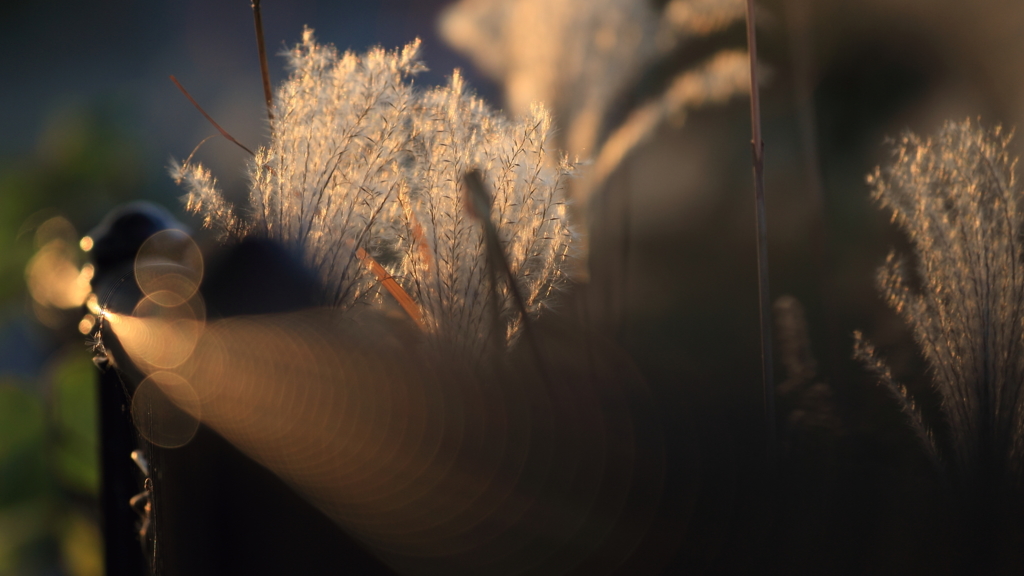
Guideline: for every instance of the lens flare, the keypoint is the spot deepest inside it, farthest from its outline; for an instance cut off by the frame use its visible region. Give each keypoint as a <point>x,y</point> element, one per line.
<point>166,410</point>
<point>55,278</point>
<point>438,467</point>
<point>157,336</point>
<point>169,267</point>
<point>86,324</point>
<point>439,463</point>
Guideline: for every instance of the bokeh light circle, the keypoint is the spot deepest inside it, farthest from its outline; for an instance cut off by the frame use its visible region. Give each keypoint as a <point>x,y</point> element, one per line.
<point>161,336</point>
<point>166,410</point>
<point>169,265</point>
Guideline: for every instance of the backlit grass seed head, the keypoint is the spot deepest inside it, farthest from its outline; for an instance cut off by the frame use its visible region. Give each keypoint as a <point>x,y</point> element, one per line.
<point>585,59</point>
<point>360,160</point>
<point>956,197</point>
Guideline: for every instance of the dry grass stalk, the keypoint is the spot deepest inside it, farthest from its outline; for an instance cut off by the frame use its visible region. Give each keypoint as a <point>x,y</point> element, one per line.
<point>363,169</point>
<point>956,198</point>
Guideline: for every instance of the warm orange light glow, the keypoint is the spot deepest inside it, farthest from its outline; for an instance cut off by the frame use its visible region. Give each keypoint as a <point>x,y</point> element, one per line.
<point>169,263</point>
<point>86,324</point>
<point>159,337</point>
<point>93,304</point>
<point>85,243</point>
<point>442,465</point>
<point>54,278</point>
<point>427,461</point>
<point>165,410</point>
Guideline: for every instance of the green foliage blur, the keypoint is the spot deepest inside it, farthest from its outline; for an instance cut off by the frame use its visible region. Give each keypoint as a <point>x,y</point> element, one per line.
<point>81,166</point>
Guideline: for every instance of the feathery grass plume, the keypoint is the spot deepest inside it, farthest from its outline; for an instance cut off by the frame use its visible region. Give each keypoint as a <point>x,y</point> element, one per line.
<point>595,61</point>
<point>204,198</point>
<point>956,198</point>
<point>364,169</point>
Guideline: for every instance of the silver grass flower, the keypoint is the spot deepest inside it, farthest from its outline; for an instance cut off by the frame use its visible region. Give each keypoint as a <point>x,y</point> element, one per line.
<point>583,57</point>
<point>956,198</point>
<point>363,178</point>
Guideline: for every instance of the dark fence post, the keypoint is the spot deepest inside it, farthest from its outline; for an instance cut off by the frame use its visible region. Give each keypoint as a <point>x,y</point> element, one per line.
<point>115,243</point>
<point>214,510</point>
<point>118,481</point>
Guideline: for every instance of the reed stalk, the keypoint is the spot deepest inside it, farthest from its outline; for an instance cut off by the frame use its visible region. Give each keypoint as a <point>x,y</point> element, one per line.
<point>757,144</point>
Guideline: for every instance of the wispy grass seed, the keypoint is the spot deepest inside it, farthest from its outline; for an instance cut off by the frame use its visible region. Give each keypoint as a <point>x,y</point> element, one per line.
<point>957,199</point>
<point>360,159</point>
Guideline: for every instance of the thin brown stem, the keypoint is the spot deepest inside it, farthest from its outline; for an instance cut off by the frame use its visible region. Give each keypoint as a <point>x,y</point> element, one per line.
<point>767,368</point>
<point>222,131</point>
<point>257,17</point>
<point>392,286</point>
<point>478,204</point>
